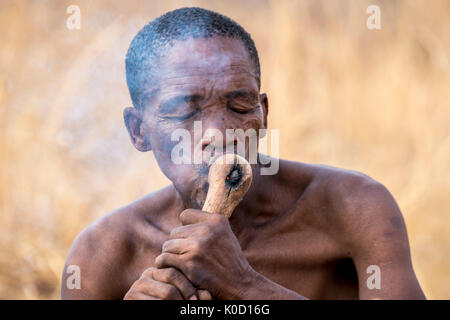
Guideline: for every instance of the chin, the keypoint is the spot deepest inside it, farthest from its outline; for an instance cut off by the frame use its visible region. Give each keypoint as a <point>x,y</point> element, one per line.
<point>199,192</point>
<point>193,189</point>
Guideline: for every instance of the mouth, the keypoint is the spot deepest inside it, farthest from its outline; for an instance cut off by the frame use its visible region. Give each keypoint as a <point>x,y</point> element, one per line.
<point>203,169</point>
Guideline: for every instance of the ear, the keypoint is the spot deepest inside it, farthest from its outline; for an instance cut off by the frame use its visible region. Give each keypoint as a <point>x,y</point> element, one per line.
<point>137,129</point>
<point>265,105</point>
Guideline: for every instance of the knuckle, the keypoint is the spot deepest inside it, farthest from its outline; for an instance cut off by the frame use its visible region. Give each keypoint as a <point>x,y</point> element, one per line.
<point>159,275</point>
<point>139,286</point>
<point>166,245</point>
<point>185,213</point>
<point>174,232</point>
<point>185,287</point>
<point>162,258</point>
<point>172,274</point>
<point>148,272</point>
<point>170,292</point>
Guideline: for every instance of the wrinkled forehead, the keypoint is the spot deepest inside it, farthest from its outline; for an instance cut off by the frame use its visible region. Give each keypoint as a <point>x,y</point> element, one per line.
<point>202,63</point>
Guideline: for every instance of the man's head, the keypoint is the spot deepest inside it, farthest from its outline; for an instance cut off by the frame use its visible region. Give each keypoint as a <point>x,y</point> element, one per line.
<point>153,42</point>
<point>187,67</point>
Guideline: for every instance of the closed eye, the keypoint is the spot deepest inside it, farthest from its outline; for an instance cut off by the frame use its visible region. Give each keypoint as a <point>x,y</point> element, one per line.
<point>180,108</point>
<point>182,118</point>
<point>239,109</point>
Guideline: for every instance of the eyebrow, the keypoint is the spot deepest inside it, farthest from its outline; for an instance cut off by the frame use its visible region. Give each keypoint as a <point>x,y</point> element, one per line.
<point>248,95</point>
<point>171,104</point>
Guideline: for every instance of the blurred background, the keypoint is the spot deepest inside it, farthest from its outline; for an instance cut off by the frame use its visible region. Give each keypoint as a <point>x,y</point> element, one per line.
<point>376,101</point>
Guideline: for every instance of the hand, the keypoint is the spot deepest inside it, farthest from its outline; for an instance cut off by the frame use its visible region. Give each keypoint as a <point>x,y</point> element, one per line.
<point>209,255</point>
<point>164,284</point>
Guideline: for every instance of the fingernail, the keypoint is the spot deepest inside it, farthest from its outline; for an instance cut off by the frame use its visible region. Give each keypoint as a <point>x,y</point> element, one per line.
<point>193,297</point>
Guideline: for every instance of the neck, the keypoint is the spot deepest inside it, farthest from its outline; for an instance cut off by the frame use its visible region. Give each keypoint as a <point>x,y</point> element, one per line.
<point>248,212</point>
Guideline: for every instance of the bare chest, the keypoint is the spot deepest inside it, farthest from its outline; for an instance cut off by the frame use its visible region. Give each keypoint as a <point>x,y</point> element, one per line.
<point>303,259</point>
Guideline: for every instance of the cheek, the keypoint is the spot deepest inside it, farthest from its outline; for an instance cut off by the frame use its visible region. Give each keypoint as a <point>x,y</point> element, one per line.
<point>162,137</point>
<point>253,121</point>
<point>184,176</point>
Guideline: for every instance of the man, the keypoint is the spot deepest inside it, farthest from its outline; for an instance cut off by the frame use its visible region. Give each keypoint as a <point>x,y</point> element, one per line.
<point>306,232</point>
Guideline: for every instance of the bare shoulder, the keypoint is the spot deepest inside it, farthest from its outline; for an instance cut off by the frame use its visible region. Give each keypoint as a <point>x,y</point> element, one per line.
<point>352,201</point>
<point>360,211</point>
<point>359,202</point>
<point>104,249</point>
<point>366,224</point>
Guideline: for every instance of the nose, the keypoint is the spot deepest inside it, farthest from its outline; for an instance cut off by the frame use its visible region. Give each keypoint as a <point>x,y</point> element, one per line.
<point>215,141</point>
<point>214,133</point>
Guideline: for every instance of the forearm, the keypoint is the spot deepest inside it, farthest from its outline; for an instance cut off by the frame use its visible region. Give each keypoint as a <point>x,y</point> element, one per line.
<point>261,288</point>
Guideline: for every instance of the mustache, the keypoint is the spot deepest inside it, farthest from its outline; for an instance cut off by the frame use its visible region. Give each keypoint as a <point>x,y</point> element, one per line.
<point>212,153</point>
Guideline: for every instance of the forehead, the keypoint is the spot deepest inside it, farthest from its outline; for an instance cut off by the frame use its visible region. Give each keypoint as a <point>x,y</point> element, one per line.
<point>197,64</point>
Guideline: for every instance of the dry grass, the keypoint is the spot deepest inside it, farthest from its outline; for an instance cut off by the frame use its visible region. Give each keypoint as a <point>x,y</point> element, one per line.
<point>373,101</point>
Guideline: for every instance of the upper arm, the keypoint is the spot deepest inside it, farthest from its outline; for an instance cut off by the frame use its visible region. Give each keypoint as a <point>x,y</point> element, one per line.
<point>96,254</point>
<point>375,235</point>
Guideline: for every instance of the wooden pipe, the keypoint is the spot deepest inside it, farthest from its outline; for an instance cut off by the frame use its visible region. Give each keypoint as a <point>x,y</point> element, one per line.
<point>229,178</point>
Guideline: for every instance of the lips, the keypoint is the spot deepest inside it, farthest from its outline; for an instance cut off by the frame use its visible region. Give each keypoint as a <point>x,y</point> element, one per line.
<point>203,169</point>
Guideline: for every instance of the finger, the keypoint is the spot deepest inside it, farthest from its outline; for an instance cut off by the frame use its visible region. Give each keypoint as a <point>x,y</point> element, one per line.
<point>204,294</point>
<point>157,289</point>
<point>177,246</point>
<point>189,231</point>
<point>177,279</point>
<point>139,296</point>
<point>191,216</point>
<point>167,260</point>
<point>182,231</point>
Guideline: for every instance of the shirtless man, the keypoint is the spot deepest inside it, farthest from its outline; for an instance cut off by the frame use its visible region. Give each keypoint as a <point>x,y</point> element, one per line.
<point>306,232</point>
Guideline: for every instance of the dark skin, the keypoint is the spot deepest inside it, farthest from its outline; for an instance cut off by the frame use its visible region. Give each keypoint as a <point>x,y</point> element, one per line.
<point>307,232</point>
